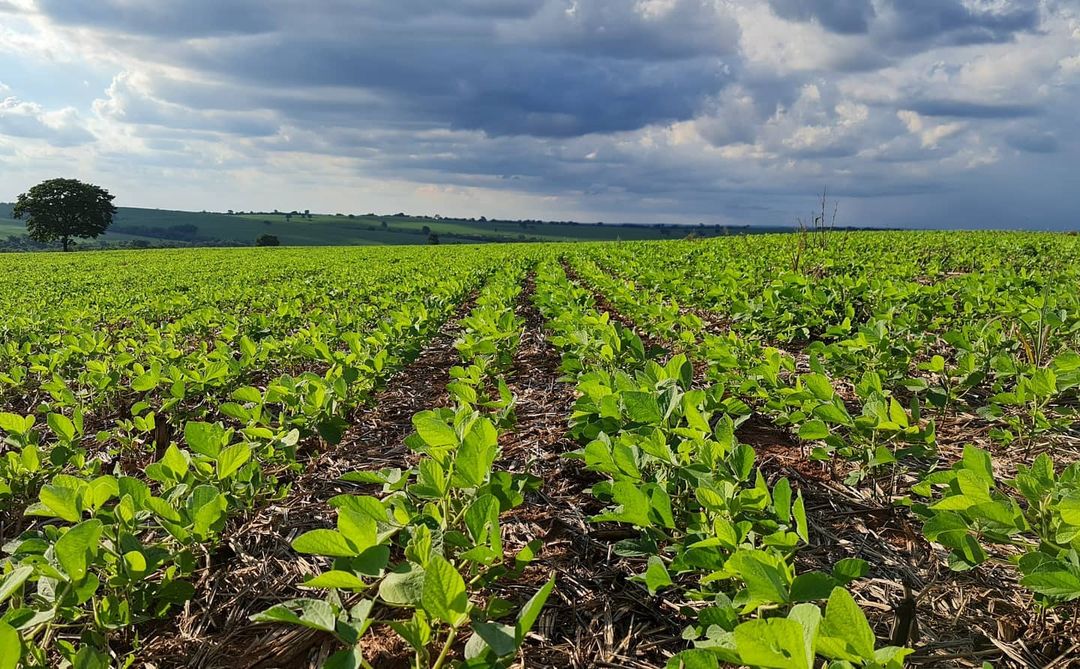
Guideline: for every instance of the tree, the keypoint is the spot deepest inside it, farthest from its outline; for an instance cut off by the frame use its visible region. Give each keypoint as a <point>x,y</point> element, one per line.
<point>267,240</point>
<point>59,209</point>
<point>432,238</point>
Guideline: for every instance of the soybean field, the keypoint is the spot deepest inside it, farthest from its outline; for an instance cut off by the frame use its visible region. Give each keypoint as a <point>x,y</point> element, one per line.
<point>827,449</point>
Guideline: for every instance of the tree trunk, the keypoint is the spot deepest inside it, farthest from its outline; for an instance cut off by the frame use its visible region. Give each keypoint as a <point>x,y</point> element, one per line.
<point>65,242</point>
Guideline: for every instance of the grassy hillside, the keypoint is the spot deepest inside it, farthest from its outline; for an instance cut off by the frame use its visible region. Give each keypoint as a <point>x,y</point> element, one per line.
<point>166,227</point>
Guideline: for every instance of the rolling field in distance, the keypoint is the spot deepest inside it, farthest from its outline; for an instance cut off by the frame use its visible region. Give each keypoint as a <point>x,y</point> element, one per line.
<point>161,227</point>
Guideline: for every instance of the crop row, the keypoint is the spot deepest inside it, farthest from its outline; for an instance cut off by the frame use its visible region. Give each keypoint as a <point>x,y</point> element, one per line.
<point>709,528</point>
<point>420,555</point>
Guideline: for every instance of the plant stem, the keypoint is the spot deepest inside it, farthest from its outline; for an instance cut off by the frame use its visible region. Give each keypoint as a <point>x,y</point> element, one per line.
<point>446,648</point>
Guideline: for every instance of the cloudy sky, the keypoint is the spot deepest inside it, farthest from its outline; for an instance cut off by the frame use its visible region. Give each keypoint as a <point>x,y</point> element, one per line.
<point>956,113</point>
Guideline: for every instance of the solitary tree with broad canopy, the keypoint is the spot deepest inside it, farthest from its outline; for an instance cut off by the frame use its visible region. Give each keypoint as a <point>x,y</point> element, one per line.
<point>59,209</point>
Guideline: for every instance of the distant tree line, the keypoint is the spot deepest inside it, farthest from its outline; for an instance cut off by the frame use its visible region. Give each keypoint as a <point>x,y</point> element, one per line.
<point>181,233</point>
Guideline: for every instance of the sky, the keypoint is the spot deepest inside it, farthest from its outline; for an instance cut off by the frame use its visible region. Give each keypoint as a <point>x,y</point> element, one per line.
<point>913,113</point>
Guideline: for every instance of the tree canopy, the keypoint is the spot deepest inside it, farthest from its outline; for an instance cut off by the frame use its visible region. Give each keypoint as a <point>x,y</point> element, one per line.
<point>60,209</point>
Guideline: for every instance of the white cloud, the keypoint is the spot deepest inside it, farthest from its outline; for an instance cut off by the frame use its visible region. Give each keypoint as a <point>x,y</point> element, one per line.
<point>30,121</point>
<point>930,134</point>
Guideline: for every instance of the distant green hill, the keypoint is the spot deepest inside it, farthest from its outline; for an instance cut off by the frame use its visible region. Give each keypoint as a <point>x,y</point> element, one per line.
<point>160,227</point>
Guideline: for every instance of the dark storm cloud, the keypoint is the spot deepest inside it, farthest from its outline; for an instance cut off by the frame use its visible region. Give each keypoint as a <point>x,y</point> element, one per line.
<point>204,18</point>
<point>955,22</point>
<point>193,18</point>
<point>1032,141</point>
<point>839,16</point>
<point>632,106</point>
<point>506,89</point>
<point>964,109</point>
<point>630,30</point>
<point>916,21</point>
<point>549,73</point>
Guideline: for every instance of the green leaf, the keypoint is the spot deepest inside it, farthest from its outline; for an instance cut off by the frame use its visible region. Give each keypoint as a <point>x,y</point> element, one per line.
<point>633,506</point>
<point>175,462</point>
<point>831,413</point>
<point>61,426</point>
<point>1057,583</point>
<point>342,580</point>
<point>207,507</point>
<point>416,631</point>
<point>809,618</point>
<point>845,634</point>
<point>482,521</point>
<point>742,461</point>
<point>776,643</point>
<point>89,657</point>
<point>799,511</point>
<point>897,413</point>
<point>476,455</point>
<point>14,581</point>
<point>531,611</point>
<point>765,582</point>
<point>781,495</point>
<point>444,595</point>
<point>811,585</point>
<point>892,657</point>
<point>434,430</point>
<point>62,501</point>
<point>162,509</point>
<point>12,423</point>
<point>849,569</point>
<point>10,647</point>
<point>231,459</point>
<point>813,430</point>
<point>694,418</point>
<point>975,489</point>
<point>324,542</point>
<point>1069,508</point>
<point>642,407</point>
<point>656,575</point>
<point>144,382</point>
<point>936,364</point>
<point>247,394</point>
<point>78,548</point>
<point>350,658</point>
<point>332,429</point>
<point>372,561</point>
<point>135,564</point>
<point>314,613</point>
<point>819,385</point>
<point>204,438</point>
<point>495,636</point>
<point>404,586</point>
<point>1044,382</point>
<point>358,528</point>
<point>979,462</point>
